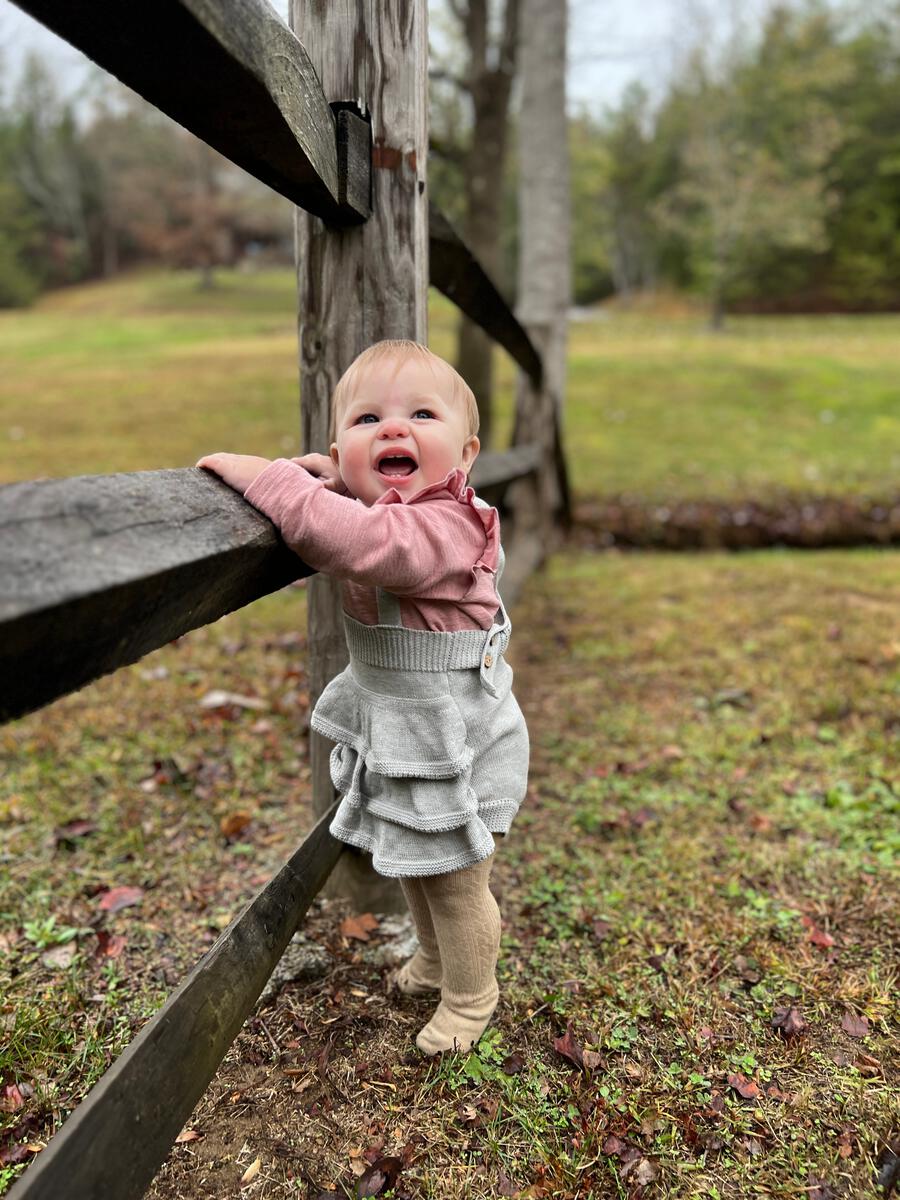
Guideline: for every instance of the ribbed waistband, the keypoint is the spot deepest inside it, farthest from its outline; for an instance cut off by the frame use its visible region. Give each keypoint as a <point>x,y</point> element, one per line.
<point>402,649</point>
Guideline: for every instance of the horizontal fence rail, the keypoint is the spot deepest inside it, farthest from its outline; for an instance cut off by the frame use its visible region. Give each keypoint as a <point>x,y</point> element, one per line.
<point>455,271</point>
<point>113,1144</point>
<point>235,75</point>
<point>495,470</point>
<point>98,570</point>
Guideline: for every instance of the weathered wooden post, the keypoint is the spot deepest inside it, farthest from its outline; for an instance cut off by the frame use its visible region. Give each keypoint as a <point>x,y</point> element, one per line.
<point>359,285</point>
<point>544,274</point>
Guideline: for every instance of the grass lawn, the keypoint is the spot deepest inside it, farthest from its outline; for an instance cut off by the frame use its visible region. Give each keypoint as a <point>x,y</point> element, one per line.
<point>699,967</point>
<point>711,837</point>
<point>150,372</point>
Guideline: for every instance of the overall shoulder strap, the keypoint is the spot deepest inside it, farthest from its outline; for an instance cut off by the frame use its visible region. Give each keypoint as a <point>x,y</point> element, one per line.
<point>388,607</point>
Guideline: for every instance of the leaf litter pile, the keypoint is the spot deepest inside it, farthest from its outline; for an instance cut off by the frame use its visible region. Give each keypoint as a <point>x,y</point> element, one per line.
<point>699,969</point>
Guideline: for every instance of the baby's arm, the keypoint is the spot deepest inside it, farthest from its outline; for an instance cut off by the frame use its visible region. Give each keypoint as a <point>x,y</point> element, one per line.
<point>237,470</point>
<point>323,468</point>
<point>240,470</point>
<point>407,548</point>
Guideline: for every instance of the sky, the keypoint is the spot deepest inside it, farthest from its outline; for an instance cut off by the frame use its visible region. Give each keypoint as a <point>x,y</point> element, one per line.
<point>612,43</point>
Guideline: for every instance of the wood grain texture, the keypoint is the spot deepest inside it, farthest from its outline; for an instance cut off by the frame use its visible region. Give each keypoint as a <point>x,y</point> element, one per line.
<point>112,1145</point>
<point>495,470</point>
<point>544,271</point>
<point>357,286</point>
<point>457,273</point>
<point>231,72</point>
<point>96,571</point>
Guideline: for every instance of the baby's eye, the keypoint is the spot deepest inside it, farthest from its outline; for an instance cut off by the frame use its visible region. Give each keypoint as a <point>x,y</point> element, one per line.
<point>422,412</point>
<point>365,419</point>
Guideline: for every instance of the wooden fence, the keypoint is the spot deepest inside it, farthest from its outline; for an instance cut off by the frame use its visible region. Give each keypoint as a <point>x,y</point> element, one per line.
<point>97,571</point>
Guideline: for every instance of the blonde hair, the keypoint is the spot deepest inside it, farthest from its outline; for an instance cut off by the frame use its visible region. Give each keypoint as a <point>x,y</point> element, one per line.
<point>403,349</point>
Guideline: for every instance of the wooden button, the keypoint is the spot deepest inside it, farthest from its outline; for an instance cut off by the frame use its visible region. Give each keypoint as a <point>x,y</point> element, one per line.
<point>488,660</point>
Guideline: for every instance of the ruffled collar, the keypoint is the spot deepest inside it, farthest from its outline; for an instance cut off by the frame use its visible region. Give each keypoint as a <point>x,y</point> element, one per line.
<point>455,486</point>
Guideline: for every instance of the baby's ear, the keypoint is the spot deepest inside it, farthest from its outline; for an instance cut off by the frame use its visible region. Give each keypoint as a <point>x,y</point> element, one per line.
<point>470,453</point>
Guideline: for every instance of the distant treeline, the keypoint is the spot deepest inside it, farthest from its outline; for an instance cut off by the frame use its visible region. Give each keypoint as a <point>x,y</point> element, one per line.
<point>766,178</point>
<point>88,188</point>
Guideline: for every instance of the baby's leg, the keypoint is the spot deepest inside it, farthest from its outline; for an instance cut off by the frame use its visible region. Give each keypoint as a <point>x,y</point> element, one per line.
<point>422,973</point>
<point>467,926</point>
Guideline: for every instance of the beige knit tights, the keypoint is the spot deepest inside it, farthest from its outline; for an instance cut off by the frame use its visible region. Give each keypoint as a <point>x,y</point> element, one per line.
<point>458,923</point>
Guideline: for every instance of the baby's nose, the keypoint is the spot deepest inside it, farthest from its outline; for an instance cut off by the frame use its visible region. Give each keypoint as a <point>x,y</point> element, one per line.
<point>394,427</point>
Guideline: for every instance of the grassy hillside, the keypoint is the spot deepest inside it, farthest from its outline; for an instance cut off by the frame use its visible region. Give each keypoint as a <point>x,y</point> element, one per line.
<point>149,372</point>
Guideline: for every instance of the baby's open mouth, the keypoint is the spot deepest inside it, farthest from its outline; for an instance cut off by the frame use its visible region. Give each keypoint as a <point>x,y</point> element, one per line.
<point>397,465</point>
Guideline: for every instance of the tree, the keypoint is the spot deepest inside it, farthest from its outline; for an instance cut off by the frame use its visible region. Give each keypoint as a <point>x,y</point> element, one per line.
<point>51,170</point>
<point>747,185</point>
<point>486,81</point>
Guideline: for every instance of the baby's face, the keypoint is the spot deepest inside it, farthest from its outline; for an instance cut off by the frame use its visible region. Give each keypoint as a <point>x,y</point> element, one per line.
<point>400,429</point>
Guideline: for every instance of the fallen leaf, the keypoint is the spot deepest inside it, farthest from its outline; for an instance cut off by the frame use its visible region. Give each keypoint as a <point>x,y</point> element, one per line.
<point>613,1145</point>
<point>72,830</point>
<point>110,945</point>
<point>854,1025</point>
<point>641,1172</point>
<point>845,1143</point>
<point>121,897</point>
<point>867,1065</point>
<point>218,698</point>
<point>11,1098</point>
<point>380,1177</point>
<point>788,1021</point>
<point>569,1048</point>
<point>513,1064</point>
<point>759,822</point>
<point>359,927</point>
<point>505,1186</point>
<point>188,1135</point>
<point>57,958</point>
<point>234,824</point>
<point>747,969</point>
<point>743,1086</point>
<point>252,1171</point>
<point>817,936</point>
<point>671,752</point>
<point>12,1155</point>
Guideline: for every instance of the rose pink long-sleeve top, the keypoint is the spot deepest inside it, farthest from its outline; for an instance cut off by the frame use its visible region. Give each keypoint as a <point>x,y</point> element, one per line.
<point>437,551</point>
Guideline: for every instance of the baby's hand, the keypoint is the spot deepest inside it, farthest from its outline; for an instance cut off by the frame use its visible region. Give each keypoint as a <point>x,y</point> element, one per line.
<point>237,470</point>
<point>323,468</point>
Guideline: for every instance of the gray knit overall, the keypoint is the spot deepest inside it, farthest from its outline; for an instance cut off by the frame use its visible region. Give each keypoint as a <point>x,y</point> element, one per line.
<point>432,749</point>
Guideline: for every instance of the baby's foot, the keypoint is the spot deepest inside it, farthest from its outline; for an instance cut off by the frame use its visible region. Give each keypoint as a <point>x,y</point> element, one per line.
<point>418,976</point>
<point>456,1028</point>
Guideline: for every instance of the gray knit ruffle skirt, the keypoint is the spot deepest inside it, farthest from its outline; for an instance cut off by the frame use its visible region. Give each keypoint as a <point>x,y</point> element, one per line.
<point>428,764</point>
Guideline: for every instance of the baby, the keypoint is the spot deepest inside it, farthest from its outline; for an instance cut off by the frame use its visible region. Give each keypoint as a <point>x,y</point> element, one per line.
<point>431,749</point>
